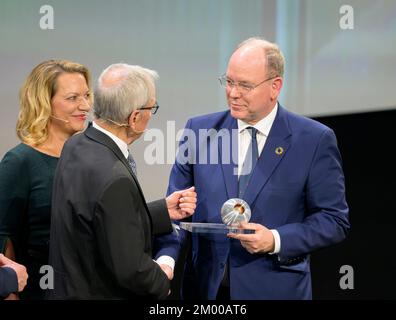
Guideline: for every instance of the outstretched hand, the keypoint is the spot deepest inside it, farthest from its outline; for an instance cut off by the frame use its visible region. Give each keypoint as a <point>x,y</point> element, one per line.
<point>181,204</point>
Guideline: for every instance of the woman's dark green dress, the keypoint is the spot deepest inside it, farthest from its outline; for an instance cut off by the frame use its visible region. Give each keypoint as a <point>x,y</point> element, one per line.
<point>26,177</point>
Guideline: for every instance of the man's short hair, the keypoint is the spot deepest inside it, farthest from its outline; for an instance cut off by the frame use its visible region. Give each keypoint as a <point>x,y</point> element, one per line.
<point>132,89</point>
<point>275,60</point>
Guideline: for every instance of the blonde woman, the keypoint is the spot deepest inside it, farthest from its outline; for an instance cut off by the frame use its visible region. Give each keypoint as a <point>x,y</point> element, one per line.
<point>54,102</point>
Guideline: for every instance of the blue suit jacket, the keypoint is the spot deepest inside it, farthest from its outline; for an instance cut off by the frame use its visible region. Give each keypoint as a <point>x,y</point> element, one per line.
<point>299,192</point>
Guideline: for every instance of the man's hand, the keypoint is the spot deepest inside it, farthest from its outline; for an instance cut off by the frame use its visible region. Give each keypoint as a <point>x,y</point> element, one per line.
<point>168,270</point>
<point>18,268</point>
<point>181,204</point>
<point>262,241</point>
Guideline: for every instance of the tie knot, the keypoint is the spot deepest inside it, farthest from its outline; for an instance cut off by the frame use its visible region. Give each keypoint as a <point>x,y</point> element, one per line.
<point>252,131</point>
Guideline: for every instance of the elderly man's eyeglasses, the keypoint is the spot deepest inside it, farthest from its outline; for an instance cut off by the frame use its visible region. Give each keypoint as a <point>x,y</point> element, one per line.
<point>242,87</point>
<point>153,109</point>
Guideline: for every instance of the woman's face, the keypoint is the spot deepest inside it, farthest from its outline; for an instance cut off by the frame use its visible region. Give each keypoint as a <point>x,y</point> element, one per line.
<point>71,103</point>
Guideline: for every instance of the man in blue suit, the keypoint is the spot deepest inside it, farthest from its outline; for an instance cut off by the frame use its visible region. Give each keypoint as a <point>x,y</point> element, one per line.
<point>295,187</point>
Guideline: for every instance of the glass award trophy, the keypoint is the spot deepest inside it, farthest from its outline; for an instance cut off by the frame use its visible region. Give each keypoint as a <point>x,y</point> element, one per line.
<point>233,212</point>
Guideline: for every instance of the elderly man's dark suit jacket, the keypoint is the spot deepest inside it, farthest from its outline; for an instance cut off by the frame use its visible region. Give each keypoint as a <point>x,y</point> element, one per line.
<point>101,227</point>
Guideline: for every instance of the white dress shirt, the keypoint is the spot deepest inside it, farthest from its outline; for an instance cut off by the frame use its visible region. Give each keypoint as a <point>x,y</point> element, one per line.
<point>263,128</point>
<point>120,143</point>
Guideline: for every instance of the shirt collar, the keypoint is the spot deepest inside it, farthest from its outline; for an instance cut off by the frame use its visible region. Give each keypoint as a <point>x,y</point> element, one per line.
<point>120,143</point>
<point>263,126</point>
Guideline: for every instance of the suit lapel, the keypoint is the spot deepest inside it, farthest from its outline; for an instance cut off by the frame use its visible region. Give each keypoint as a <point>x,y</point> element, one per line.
<point>276,146</point>
<point>102,138</point>
<point>230,170</point>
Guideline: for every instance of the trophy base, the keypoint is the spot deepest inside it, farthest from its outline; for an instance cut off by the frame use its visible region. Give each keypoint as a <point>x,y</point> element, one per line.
<point>199,227</point>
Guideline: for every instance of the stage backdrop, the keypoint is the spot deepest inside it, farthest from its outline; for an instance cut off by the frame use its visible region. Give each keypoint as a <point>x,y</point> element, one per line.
<point>340,60</point>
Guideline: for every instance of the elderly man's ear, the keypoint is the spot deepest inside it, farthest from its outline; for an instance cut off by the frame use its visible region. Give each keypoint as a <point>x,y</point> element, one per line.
<point>134,118</point>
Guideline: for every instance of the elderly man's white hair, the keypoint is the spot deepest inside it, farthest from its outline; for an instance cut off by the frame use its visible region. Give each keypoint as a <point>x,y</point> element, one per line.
<point>121,89</point>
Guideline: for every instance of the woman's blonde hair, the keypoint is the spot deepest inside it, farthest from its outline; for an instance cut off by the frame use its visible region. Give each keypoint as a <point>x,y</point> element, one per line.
<point>35,98</point>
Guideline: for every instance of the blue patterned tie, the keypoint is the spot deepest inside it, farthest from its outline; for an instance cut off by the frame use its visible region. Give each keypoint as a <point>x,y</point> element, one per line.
<point>132,164</point>
<point>249,163</point>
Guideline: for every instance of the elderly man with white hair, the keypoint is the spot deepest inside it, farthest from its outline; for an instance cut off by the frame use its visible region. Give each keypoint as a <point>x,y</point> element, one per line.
<point>102,227</point>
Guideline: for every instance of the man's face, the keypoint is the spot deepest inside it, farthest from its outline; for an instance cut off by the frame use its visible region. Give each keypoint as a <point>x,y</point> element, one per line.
<point>248,66</point>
